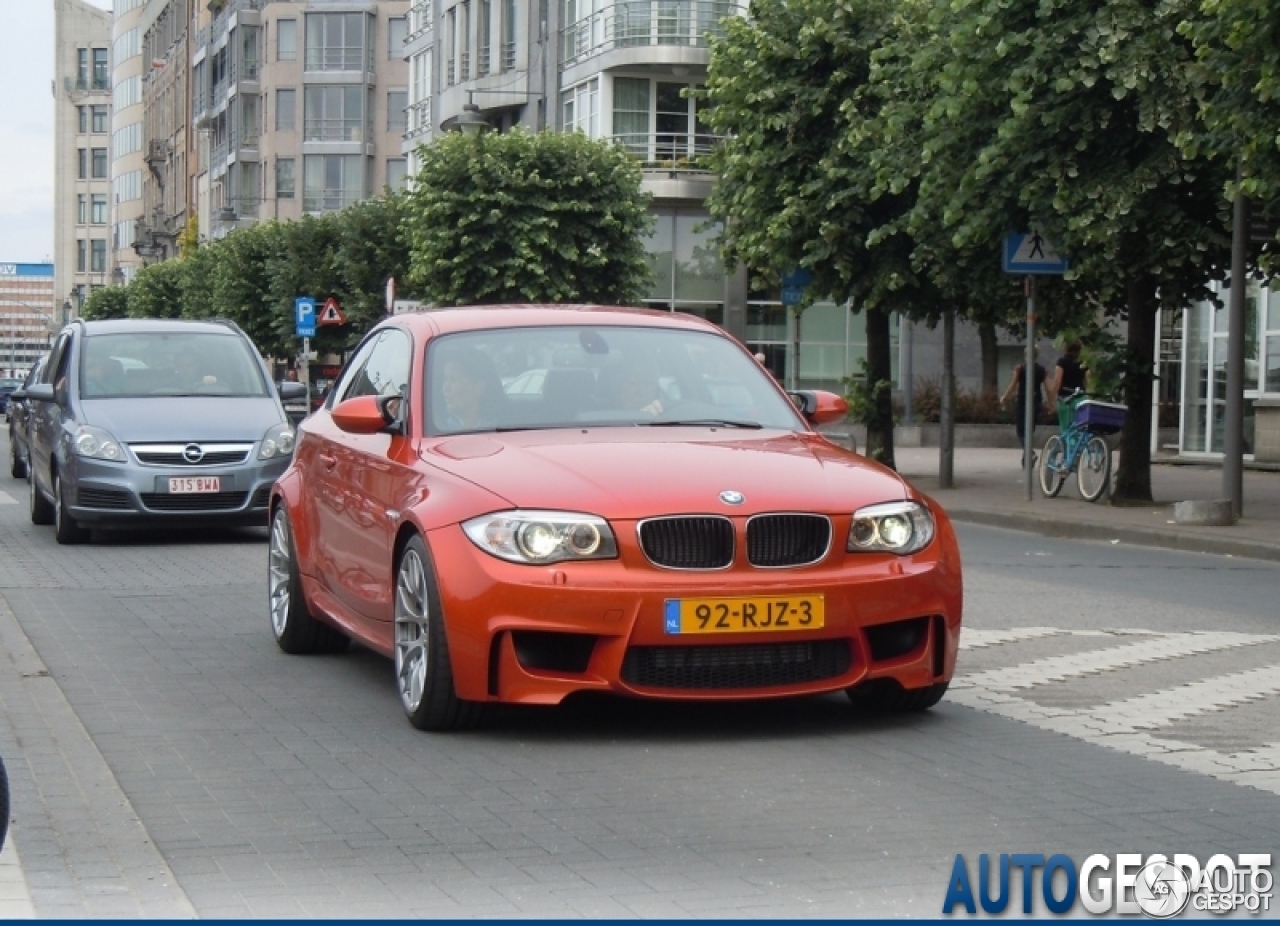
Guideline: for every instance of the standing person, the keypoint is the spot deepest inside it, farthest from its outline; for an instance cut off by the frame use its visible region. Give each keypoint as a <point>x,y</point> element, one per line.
<point>1067,386</point>
<point>1018,382</point>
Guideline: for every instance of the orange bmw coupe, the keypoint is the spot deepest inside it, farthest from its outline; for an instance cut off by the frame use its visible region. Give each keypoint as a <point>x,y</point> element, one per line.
<point>516,503</point>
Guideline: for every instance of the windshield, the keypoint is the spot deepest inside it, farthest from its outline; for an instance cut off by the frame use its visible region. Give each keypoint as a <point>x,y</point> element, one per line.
<point>568,376</point>
<point>169,363</point>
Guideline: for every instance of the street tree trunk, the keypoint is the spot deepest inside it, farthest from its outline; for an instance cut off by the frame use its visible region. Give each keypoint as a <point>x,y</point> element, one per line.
<point>1133,477</point>
<point>990,358</point>
<point>879,382</point>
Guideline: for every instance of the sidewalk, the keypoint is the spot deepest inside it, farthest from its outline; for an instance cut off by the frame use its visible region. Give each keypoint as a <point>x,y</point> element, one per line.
<point>989,488</point>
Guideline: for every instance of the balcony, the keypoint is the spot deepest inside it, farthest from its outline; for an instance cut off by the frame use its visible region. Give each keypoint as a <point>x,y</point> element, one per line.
<point>639,23</point>
<point>347,130</point>
<point>673,152</point>
<point>352,58</point>
<point>419,119</point>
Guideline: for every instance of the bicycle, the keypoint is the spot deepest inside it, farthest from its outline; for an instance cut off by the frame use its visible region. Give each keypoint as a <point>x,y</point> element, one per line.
<point>1082,448</point>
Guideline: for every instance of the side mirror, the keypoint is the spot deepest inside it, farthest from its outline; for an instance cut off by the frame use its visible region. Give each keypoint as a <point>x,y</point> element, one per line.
<point>40,392</point>
<point>370,414</point>
<point>292,392</point>
<point>17,395</point>
<point>819,406</point>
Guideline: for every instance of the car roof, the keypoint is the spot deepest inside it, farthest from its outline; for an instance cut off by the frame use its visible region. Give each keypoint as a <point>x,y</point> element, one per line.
<point>471,318</point>
<point>156,326</point>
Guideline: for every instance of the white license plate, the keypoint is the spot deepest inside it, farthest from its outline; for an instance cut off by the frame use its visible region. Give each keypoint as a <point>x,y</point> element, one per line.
<point>187,485</point>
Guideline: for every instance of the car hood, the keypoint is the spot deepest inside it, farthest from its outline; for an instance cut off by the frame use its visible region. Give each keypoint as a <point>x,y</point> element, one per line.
<point>189,418</point>
<point>641,472</point>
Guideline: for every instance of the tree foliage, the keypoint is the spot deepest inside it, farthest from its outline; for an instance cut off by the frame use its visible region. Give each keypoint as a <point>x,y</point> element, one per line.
<point>551,217</point>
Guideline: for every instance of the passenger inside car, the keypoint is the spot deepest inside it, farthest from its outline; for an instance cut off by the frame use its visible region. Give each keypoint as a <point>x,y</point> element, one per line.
<point>103,377</point>
<point>471,389</point>
<point>631,385</point>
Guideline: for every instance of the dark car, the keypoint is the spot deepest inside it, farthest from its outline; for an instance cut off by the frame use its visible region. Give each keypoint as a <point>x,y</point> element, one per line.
<point>19,450</point>
<point>137,421</point>
<point>7,387</point>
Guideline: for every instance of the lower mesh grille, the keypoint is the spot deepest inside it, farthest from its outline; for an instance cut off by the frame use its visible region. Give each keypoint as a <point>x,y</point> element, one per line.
<point>103,498</point>
<point>751,665</point>
<point>261,496</point>
<point>196,501</point>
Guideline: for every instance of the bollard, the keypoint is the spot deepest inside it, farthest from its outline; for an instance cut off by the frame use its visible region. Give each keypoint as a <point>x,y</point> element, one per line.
<point>1215,512</point>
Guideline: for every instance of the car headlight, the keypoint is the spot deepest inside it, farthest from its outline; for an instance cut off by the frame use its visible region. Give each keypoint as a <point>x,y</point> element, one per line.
<point>892,527</point>
<point>96,444</point>
<point>541,537</point>
<point>278,442</point>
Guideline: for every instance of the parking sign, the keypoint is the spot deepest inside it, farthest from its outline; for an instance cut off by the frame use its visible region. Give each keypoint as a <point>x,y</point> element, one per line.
<point>304,312</point>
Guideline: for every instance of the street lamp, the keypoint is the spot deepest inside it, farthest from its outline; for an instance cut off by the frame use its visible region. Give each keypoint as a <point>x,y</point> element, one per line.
<point>471,121</point>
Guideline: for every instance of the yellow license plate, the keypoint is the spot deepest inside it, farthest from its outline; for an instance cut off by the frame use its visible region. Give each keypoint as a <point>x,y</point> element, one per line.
<point>743,615</point>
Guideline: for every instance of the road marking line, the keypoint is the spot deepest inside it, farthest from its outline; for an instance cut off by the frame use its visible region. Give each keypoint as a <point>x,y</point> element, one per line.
<point>7,499</point>
<point>15,897</point>
<point>1124,725</point>
<point>971,638</point>
<point>1109,659</point>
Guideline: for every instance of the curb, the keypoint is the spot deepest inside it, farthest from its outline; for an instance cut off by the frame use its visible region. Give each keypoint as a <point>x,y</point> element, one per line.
<point>1148,537</point>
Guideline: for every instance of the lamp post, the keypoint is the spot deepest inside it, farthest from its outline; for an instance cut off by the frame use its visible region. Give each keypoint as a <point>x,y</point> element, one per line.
<point>471,121</point>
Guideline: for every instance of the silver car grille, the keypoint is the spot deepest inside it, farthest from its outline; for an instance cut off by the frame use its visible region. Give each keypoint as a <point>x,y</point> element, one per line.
<point>191,454</point>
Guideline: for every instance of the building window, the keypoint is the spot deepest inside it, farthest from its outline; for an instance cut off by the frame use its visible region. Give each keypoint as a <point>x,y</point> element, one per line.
<point>82,165</point>
<point>484,17</point>
<point>508,34</point>
<point>82,209</point>
<point>464,42</point>
<point>450,46</point>
<point>333,113</point>
<point>654,120</point>
<point>397,29</point>
<point>397,116</point>
<point>336,42</point>
<point>100,69</point>
<point>99,119</point>
<point>420,114</point>
<point>581,108</point>
<point>397,168</point>
<point>284,178</point>
<point>286,104</point>
<point>287,40</point>
<point>98,255</point>
<point>631,114</point>
<point>83,112</point>
<point>99,214</point>
<point>331,181</point>
<point>99,163</point>
<point>81,253</point>
<point>82,69</point>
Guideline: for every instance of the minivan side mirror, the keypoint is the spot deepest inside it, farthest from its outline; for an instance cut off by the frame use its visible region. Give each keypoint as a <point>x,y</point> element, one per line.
<point>292,392</point>
<point>40,392</point>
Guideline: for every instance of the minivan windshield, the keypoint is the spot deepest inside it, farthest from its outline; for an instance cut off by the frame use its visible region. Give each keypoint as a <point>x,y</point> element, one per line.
<point>169,363</point>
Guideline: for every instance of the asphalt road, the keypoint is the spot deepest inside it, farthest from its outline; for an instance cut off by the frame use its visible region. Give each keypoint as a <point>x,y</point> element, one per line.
<point>167,759</point>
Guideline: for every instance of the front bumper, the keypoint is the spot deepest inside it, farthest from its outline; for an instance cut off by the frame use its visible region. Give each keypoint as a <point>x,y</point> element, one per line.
<point>529,634</point>
<point>101,493</point>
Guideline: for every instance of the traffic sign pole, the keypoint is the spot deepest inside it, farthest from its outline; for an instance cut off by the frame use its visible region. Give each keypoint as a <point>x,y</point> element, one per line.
<point>1029,384</point>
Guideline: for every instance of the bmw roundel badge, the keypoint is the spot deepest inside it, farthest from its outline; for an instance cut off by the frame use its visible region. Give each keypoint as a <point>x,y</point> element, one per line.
<point>730,497</point>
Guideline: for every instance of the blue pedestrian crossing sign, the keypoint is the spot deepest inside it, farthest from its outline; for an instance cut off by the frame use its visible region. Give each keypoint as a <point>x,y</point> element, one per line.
<point>1031,252</point>
<point>304,314</point>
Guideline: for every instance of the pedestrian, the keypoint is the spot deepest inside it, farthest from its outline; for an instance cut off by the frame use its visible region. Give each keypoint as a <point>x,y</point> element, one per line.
<point>1067,387</point>
<point>1018,382</point>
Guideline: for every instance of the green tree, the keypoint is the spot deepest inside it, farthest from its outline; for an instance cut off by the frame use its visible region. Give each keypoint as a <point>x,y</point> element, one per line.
<point>515,217</point>
<point>1066,113</point>
<point>106,302</point>
<point>157,290</point>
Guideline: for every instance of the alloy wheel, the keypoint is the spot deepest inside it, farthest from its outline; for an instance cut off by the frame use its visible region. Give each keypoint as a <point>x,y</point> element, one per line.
<point>279,560</point>
<point>412,622</point>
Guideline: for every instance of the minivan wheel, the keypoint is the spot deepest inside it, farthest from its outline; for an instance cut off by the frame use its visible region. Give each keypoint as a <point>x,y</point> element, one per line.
<point>41,507</point>
<point>66,529</point>
<point>17,464</point>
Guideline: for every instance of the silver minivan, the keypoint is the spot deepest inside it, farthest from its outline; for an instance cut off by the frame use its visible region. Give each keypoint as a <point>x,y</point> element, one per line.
<point>137,421</point>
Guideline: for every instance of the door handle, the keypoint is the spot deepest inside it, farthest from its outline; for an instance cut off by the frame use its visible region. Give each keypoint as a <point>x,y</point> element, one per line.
<point>328,461</point>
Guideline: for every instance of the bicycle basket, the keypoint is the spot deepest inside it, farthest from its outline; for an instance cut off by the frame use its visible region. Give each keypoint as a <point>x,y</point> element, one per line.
<point>1099,416</point>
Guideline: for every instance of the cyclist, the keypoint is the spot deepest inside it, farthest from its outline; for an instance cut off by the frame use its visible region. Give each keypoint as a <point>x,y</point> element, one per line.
<point>1066,389</point>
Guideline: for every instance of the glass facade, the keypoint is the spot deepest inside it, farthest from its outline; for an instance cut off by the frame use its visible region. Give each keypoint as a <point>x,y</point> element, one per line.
<point>1204,384</point>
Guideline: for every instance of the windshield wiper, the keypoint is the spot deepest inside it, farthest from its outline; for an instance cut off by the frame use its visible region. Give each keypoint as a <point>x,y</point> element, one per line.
<point>705,422</point>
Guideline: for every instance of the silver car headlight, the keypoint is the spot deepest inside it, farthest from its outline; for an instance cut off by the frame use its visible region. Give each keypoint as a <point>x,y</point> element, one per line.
<point>540,537</point>
<point>892,527</point>
<point>96,444</point>
<point>278,442</point>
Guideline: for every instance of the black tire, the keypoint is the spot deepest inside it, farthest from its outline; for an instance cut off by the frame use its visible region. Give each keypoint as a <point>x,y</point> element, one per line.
<point>296,631</point>
<point>424,673</point>
<point>66,529</point>
<point>1093,471</point>
<point>17,464</point>
<point>886,696</point>
<point>41,507</point>
<point>4,803</point>
<point>1053,466</point>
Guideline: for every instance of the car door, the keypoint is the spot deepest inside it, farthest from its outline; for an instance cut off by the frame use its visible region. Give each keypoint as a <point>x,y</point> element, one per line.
<point>364,477</point>
<point>45,419</point>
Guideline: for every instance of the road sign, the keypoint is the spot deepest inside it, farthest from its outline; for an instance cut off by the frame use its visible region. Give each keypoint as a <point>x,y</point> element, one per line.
<point>793,284</point>
<point>304,315</point>
<point>331,314</point>
<point>1031,252</point>
<point>403,306</point>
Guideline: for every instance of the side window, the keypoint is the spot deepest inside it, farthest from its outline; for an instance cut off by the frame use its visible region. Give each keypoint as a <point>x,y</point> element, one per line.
<point>387,370</point>
<point>55,372</point>
<point>342,388</point>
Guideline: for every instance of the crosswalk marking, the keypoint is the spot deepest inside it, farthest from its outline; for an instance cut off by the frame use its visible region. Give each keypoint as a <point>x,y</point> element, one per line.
<point>1127,724</point>
<point>7,499</point>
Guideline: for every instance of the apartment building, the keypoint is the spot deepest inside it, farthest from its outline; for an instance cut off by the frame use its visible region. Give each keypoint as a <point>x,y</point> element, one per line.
<point>29,312</point>
<point>298,107</point>
<point>128,162</point>
<point>82,139</point>
<point>167,141</point>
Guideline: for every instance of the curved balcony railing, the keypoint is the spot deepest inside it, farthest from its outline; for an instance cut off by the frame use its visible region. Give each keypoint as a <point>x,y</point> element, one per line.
<point>632,23</point>
<point>670,151</point>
